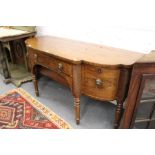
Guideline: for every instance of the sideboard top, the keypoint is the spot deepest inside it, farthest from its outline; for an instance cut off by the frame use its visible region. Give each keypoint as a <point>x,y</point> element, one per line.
<point>80,51</point>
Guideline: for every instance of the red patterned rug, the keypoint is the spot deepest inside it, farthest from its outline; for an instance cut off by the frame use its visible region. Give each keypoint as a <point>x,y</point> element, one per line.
<point>19,110</point>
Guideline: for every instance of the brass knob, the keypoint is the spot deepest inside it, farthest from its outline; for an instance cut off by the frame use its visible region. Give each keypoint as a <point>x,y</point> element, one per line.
<point>35,55</point>
<point>60,66</point>
<point>35,58</point>
<point>99,70</point>
<point>98,82</point>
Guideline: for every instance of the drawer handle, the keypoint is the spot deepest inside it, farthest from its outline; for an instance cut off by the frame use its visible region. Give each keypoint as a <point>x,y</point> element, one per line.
<point>60,66</point>
<point>35,58</point>
<point>98,82</point>
<point>99,70</point>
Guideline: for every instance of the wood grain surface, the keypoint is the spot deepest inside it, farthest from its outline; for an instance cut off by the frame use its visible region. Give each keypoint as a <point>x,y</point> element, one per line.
<point>98,71</point>
<point>77,51</point>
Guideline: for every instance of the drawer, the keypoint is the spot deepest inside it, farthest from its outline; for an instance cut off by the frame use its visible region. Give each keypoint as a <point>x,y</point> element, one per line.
<point>93,71</point>
<point>100,83</point>
<point>53,63</point>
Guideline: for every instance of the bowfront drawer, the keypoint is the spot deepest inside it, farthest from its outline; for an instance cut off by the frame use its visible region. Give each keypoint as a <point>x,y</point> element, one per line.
<point>53,63</point>
<point>100,83</point>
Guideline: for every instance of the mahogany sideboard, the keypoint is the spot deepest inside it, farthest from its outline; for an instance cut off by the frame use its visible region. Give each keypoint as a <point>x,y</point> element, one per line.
<point>98,71</point>
<point>140,104</point>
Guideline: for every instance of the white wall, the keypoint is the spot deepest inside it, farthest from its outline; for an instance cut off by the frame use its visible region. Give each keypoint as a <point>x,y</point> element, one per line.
<point>136,39</point>
<point>127,24</point>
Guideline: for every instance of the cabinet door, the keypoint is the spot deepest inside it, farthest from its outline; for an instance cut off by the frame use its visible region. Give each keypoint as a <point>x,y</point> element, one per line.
<point>144,112</point>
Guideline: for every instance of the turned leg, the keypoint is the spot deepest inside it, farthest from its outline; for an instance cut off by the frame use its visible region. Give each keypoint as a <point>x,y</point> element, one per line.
<point>77,109</point>
<point>123,86</point>
<point>76,90</point>
<point>118,114</point>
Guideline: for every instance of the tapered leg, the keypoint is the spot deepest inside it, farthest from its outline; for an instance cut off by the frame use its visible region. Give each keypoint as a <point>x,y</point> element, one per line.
<point>35,82</point>
<point>118,114</point>
<point>77,109</point>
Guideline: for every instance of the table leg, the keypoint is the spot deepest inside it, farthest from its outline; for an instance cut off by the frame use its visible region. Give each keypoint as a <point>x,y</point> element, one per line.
<point>118,114</point>
<point>77,109</point>
<point>3,61</point>
<point>123,86</point>
<point>35,80</point>
<point>76,90</point>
